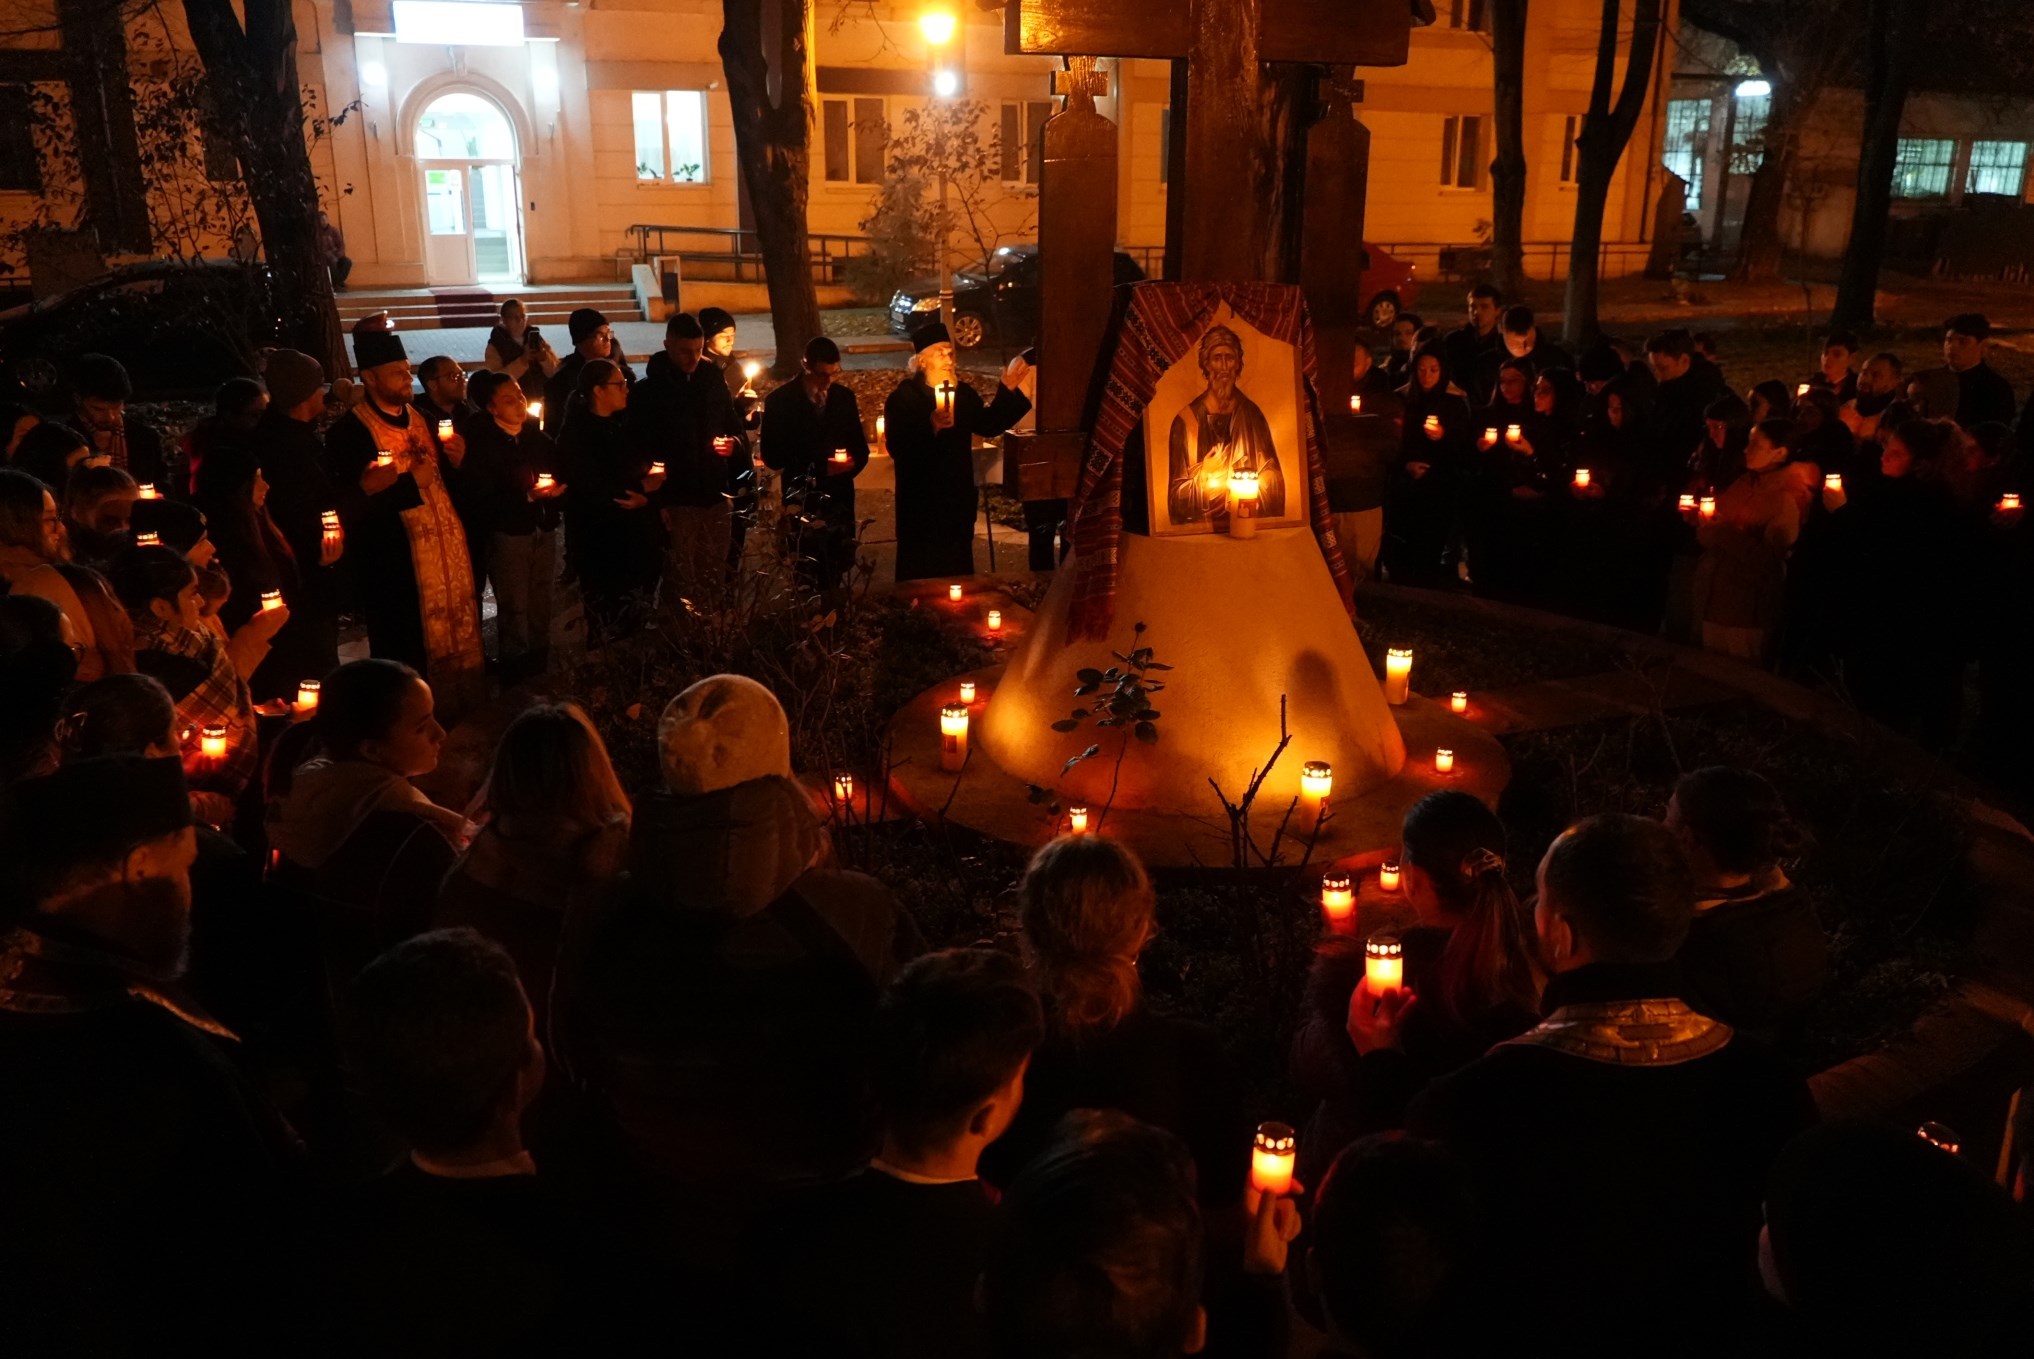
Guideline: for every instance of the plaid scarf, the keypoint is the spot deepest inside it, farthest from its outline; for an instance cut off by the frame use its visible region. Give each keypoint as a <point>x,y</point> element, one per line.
<point>219,697</point>
<point>1161,325</point>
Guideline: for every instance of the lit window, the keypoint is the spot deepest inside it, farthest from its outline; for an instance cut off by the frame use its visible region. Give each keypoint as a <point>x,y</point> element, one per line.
<point>1748,131</point>
<point>1462,155</point>
<point>670,135</point>
<point>1921,169</point>
<point>854,137</point>
<point>1687,145</point>
<point>458,23</point>
<point>1997,167</point>
<point>1020,144</point>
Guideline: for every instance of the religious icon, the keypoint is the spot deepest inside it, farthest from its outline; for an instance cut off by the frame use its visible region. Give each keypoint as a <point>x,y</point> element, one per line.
<point>1229,404</point>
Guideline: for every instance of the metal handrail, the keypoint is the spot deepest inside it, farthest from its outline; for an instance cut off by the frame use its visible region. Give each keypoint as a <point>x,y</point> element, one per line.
<point>740,247</point>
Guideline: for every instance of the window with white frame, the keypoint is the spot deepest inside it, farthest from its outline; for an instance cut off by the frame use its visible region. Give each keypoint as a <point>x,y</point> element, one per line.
<point>1921,167</point>
<point>854,136</point>
<point>1462,152</point>
<point>1748,131</point>
<point>1686,150</point>
<point>1571,154</point>
<point>670,135</point>
<point>1020,140</point>
<point>1997,167</point>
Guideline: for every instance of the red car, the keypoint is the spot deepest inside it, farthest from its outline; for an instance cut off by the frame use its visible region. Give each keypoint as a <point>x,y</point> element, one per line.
<point>1389,285</point>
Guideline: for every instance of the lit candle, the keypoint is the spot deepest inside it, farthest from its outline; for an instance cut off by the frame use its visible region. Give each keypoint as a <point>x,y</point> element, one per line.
<point>751,371</point>
<point>148,491</point>
<point>444,430</point>
<point>148,538</point>
<point>995,620</point>
<point>1271,1156</point>
<point>656,469</point>
<point>1513,433</point>
<point>967,691</point>
<point>1356,403</point>
<point>879,429</point>
<point>383,458</point>
<point>329,521</point>
<point>724,445</point>
<point>1397,674</point>
<point>953,593</point>
<point>1687,502</point>
<point>1490,436</point>
<point>1801,390</point>
<point>536,410</point>
<point>271,599</point>
<point>1433,425</point>
<point>307,697</point>
<point>1444,761</point>
<point>1077,820</point>
<point>1338,900</point>
<point>212,742</point>
<point>953,737</point>
<point>1582,478</point>
<point>1940,1135</point>
<point>1708,507</point>
<point>1243,502</point>
<point>1317,779</point>
<point>1387,876</point>
<point>2010,501</point>
<point>840,455</point>
<point>1833,482</point>
<point>1383,963</point>
<point>545,481</point>
<point>843,789</point>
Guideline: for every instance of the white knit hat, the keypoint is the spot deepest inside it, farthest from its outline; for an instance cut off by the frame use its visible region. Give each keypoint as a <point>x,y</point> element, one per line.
<point>724,730</point>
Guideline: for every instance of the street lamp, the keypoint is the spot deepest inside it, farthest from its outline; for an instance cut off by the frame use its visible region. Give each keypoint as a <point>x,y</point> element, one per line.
<point>939,27</point>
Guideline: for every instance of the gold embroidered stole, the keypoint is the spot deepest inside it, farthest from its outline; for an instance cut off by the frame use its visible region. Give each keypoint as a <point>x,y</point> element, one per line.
<point>1628,1033</point>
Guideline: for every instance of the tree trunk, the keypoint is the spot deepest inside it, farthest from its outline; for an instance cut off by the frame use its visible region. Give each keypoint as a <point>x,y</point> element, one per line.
<point>1759,246</point>
<point>1606,130</point>
<point>773,142</point>
<point>1892,27</point>
<point>1508,170</point>
<point>257,66</point>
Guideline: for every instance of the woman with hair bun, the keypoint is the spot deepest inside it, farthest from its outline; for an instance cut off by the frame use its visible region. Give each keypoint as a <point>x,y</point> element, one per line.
<point>1088,911</point>
<point>1755,957</point>
<point>1471,981</point>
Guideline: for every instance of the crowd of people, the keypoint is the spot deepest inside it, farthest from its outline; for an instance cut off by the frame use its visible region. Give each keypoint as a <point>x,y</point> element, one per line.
<point>295,1059</point>
<point>1860,527</point>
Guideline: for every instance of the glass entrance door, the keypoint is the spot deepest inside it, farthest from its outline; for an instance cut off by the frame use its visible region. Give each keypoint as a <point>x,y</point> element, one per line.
<point>448,240</point>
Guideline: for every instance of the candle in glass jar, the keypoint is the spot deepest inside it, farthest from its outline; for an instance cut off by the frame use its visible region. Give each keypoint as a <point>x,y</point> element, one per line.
<point>545,481</point>
<point>2010,501</point>
<point>1387,876</point>
<point>1582,477</point>
<point>724,445</point>
<point>1458,702</point>
<point>307,697</point>
<point>953,737</point>
<point>1801,390</point>
<point>1397,674</point>
<point>1317,779</point>
<point>995,620</point>
<point>1272,1153</point>
<point>1243,502</point>
<point>1708,507</point>
<point>148,538</point>
<point>383,458</point>
<point>212,741</point>
<point>1444,761</point>
<point>1356,403</point>
<point>1490,435</point>
<point>656,469</point>
<point>1383,963</point>
<point>1833,482</point>
<point>967,691</point>
<point>1077,820</point>
<point>271,599</point>
<point>148,491</point>
<point>840,455</point>
<point>843,788</point>
<point>1338,899</point>
<point>444,430</point>
<point>1513,433</point>
<point>1687,502</point>
<point>1433,425</point>
<point>953,594</point>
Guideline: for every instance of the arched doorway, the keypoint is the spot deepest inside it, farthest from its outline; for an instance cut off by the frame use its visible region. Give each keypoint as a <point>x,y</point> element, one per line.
<point>473,230</point>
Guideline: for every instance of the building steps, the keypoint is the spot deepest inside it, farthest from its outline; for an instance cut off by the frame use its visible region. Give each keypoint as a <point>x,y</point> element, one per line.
<point>426,309</point>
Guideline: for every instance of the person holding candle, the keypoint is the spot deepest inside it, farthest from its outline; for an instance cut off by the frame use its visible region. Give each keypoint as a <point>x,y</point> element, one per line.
<point>1686,385</point>
<point>257,558</point>
<point>443,397</point>
<point>98,504</point>
<point>609,517</point>
<point>514,519</point>
<point>411,570</point>
<point>1520,343</point>
<point>1087,909</point>
<point>675,415</point>
<point>1740,581</point>
<point>159,590</point>
<point>1468,960</point>
<point>802,423</point>
<point>719,327</point>
<point>1626,1138</point>
<point>1437,453</point>
<point>931,438</point>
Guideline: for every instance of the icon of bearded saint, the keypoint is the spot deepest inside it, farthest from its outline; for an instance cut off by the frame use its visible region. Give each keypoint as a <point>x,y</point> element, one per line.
<point>1218,432</point>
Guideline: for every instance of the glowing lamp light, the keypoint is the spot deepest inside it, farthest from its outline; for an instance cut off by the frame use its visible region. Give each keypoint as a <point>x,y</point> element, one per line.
<point>1444,761</point>
<point>1338,899</point>
<point>995,620</point>
<point>444,430</point>
<point>1077,820</point>
<point>2010,501</point>
<point>1708,507</point>
<point>1388,876</point>
<point>945,83</point>
<point>1582,478</point>
<point>953,737</point>
<point>148,491</point>
<point>967,691</point>
<point>148,539</point>
<point>1513,433</point>
<point>1687,502</point>
<point>383,458</point>
<point>1397,674</point>
<point>1272,1152</point>
<point>545,481</point>
<point>1753,89</point>
<point>938,26</point>
<point>1940,1135</point>
<point>1317,779</point>
<point>307,697</point>
<point>656,469</point>
<point>1383,963</point>
<point>843,788</point>
<point>212,741</point>
<point>1458,702</point>
<point>1244,505</point>
<point>536,410</point>
<point>271,599</point>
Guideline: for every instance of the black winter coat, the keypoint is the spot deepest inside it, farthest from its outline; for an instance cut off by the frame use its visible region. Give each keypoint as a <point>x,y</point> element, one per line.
<point>936,499</point>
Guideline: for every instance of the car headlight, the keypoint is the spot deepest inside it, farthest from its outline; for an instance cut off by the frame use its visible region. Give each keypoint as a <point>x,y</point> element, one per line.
<point>926,303</point>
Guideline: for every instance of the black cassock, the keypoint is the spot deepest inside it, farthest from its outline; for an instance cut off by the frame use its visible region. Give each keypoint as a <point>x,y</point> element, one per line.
<point>936,474</point>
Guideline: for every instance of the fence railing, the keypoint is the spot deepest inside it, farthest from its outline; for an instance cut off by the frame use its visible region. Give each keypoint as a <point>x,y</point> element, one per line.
<point>732,254</point>
<point>1543,259</point>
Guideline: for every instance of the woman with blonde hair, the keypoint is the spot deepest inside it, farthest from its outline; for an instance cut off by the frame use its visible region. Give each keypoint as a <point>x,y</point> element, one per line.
<point>554,831</point>
<point>1088,911</point>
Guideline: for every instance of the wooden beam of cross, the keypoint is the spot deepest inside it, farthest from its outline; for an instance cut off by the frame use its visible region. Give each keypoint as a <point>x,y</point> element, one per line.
<point>1225,45</point>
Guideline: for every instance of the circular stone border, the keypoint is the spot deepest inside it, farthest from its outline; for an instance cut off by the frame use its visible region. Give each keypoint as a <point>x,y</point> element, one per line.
<point>983,798</point>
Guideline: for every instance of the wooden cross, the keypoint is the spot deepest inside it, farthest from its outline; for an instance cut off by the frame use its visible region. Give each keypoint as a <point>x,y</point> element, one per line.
<point>1223,46</point>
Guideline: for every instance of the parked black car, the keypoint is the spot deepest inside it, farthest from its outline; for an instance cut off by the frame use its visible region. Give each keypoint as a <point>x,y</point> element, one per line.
<point>998,302</point>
